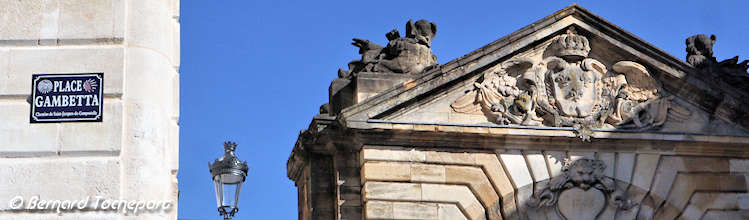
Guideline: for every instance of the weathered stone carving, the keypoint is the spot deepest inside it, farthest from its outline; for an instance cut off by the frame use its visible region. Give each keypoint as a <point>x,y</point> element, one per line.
<point>500,98</point>
<point>409,55</point>
<point>700,50</point>
<point>570,89</point>
<point>700,56</point>
<point>580,192</point>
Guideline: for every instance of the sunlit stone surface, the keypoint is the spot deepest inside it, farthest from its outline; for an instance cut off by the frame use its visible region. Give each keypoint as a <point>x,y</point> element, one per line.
<point>568,118</point>
<point>132,154</point>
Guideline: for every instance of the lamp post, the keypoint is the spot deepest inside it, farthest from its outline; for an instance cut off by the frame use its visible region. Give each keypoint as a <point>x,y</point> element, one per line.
<point>228,175</point>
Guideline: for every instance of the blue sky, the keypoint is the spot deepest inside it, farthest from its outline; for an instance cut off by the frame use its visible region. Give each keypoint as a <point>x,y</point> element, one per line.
<point>255,72</point>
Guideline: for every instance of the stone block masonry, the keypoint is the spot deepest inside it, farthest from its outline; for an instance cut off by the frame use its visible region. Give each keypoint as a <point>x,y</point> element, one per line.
<point>133,153</point>
<point>476,183</point>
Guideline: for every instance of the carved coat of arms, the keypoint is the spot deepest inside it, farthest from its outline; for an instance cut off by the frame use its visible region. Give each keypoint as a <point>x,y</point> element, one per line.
<point>569,89</point>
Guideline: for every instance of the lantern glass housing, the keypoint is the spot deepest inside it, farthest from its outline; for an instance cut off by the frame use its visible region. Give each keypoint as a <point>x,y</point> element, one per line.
<point>228,175</point>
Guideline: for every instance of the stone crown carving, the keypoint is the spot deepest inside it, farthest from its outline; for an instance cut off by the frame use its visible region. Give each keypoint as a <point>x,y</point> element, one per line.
<point>567,88</point>
<point>571,44</point>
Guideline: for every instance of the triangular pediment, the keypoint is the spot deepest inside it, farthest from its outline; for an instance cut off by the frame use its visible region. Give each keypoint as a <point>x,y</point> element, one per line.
<point>570,70</point>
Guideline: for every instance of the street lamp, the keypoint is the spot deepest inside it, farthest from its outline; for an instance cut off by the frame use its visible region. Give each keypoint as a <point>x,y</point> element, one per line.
<point>228,175</point>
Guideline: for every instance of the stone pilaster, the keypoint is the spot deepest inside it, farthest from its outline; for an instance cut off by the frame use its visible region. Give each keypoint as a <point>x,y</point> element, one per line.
<point>133,153</point>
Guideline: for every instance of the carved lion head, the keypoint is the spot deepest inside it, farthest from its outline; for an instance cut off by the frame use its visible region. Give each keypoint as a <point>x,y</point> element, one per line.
<point>585,173</point>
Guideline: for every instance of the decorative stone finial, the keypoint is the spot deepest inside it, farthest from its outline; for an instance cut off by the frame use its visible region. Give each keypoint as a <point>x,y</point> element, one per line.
<point>571,45</point>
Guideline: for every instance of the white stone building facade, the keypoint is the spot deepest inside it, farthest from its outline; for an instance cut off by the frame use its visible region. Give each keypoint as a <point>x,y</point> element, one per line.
<point>132,155</point>
<point>570,117</point>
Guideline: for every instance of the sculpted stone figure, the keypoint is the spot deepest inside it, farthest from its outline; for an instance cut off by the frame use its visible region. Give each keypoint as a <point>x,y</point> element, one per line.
<point>700,56</point>
<point>569,89</point>
<point>409,55</point>
<point>700,50</point>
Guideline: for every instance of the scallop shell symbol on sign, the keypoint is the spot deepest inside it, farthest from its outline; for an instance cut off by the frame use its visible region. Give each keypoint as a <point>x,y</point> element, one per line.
<point>89,85</point>
<point>44,86</point>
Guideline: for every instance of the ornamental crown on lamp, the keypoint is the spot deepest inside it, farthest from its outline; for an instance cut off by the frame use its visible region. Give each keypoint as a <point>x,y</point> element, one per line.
<point>229,162</point>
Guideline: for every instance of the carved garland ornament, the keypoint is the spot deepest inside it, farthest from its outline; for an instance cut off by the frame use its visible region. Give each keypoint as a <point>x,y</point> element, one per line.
<point>570,89</point>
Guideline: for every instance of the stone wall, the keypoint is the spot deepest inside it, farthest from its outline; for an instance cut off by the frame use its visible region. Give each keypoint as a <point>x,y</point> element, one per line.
<point>458,172</point>
<point>133,153</point>
<point>422,183</point>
